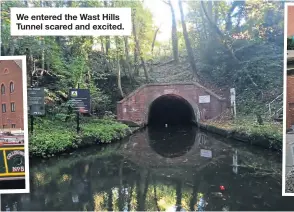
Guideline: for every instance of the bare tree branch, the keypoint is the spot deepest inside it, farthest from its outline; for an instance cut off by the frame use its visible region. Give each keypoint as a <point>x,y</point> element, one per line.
<point>227,43</point>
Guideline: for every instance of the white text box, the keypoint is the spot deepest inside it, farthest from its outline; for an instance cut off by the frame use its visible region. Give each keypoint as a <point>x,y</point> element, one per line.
<point>71,22</point>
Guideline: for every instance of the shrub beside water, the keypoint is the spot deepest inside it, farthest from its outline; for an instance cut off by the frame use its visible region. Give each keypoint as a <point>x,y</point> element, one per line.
<point>104,131</point>
<point>269,132</point>
<point>55,136</point>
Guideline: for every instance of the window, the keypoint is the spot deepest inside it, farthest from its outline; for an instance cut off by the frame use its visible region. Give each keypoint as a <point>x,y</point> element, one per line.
<point>13,126</point>
<point>11,87</point>
<point>3,108</point>
<point>12,105</point>
<point>6,71</point>
<point>2,89</point>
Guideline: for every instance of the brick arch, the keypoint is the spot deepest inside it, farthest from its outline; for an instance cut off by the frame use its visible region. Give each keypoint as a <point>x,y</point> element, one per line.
<point>191,104</point>
<point>135,107</point>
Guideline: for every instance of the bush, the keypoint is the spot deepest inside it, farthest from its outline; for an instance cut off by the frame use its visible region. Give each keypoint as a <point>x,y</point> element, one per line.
<point>105,130</point>
<point>269,133</point>
<point>56,136</point>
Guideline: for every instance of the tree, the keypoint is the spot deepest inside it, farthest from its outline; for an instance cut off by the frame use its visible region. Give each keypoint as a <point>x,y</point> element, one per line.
<point>174,32</point>
<point>187,42</point>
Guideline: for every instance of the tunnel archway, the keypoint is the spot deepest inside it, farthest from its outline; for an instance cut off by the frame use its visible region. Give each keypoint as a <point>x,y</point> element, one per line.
<point>172,110</point>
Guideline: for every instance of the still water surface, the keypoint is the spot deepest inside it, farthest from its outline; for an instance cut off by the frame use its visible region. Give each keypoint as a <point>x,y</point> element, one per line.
<point>167,169</point>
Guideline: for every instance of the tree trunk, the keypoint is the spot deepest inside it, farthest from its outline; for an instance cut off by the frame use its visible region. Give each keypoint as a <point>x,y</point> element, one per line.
<point>128,60</point>
<point>139,50</point>
<point>216,10</point>
<point>118,69</point>
<point>136,68</point>
<point>43,43</point>
<point>205,32</point>
<point>187,42</point>
<point>11,46</point>
<point>102,45</point>
<point>174,34</point>
<point>229,24</point>
<point>107,44</point>
<point>136,54</point>
<point>153,42</point>
<point>119,79</point>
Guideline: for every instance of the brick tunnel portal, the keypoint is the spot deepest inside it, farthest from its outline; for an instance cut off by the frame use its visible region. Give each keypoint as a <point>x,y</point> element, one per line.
<point>172,110</point>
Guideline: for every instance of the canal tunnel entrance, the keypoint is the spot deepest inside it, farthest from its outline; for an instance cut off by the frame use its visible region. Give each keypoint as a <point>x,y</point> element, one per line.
<point>171,110</point>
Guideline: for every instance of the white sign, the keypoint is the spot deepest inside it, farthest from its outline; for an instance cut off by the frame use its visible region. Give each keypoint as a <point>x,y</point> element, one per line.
<point>168,91</point>
<point>233,94</point>
<point>204,99</point>
<point>233,101</point>
<point>206,153</point>
<point>39,21</point>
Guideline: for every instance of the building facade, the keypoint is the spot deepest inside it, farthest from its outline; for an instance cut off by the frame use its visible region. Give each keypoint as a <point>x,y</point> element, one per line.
<point>11,95</point>
<point>290,30</point>
<point>290,72</point>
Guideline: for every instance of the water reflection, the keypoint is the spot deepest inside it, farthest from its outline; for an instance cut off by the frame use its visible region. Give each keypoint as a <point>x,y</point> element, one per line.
<point>172,141</point>
<point>136,176</point>
<point>235,161</point>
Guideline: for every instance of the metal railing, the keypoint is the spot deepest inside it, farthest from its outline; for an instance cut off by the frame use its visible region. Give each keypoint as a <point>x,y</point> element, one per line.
<point>271,103</point>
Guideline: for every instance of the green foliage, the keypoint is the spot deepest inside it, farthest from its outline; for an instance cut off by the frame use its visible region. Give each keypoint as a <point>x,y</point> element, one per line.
<point>51,143</point>
<point>51,137</point>
<point>268,134</point>
<point>273,133</point>
<point>57,136</point>
<point>105,131</point>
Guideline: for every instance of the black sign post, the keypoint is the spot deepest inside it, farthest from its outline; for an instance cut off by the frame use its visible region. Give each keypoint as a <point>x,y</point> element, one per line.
<point>36,103</point>
<point>81,100</point>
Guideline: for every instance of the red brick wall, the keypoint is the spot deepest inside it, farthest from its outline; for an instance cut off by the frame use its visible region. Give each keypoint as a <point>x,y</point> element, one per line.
<point>290,29</point>
<point>136,107</point>
<point>14,75</point>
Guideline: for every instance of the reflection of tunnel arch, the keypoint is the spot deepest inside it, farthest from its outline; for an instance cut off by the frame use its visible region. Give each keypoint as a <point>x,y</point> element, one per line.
<point>170,143</point>
<point>171,109</point>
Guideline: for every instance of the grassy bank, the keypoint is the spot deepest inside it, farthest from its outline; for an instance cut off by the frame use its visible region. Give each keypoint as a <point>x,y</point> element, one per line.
<point>54,136</point>
<point>269,134</point>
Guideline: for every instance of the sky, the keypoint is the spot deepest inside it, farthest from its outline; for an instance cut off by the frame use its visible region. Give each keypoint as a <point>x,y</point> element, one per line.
<point>162,16</point>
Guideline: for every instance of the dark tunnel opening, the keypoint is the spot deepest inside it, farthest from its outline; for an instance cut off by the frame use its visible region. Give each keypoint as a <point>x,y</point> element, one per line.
<point>170,110</point>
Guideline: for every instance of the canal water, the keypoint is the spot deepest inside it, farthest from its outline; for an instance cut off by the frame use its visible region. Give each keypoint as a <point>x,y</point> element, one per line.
<point>167,169</point>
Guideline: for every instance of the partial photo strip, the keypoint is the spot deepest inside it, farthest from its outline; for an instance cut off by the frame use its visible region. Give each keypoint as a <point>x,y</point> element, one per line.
<point>14,151</point>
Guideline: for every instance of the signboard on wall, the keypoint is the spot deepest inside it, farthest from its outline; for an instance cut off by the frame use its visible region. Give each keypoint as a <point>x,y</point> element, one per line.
<point>36,101</point>
<point>206,153</point>
<point>204,99</point>
<point>80,98</point>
